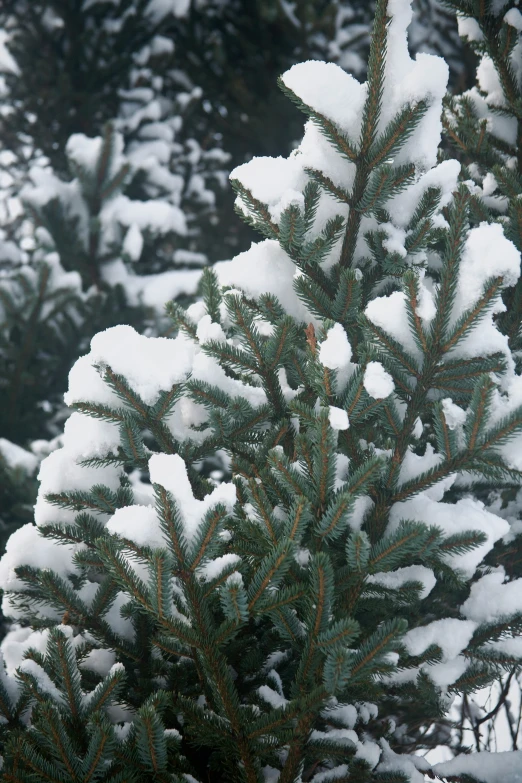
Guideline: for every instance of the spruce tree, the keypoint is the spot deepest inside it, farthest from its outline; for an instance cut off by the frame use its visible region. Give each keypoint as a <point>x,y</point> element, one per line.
<point>79,65</point>
<point>482,127</point>
<point>236,49</point>
<point>307,610</point>
<point>115,193</point>
<point>90,246</point>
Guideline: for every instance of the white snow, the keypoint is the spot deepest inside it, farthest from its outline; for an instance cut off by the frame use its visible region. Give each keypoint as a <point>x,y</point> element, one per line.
<point>369,751</point>
<point>151,290</point>
<point>120,625</point>
<point>170,471</point>
<point>133,243</point>
<point>451,635</point>
<point>396,579</point>
<point>16,643</point>
<point>389,313</point>
<point>407,80</point>
<point>514,18</point>
<point>86,384</point>
<point>447,672</point>
<point>487,253</point>
<point>60,472</point>
<point>270,180</point>
<point>395,762</point>
<point>150,365</point>
<point>395,239</point>
<point>511,645</point>
<point>85,152</point>
<point>264,269</point>
<point>99,660</point>
<point>489,184</point>
<point>338,418</point>
<point>139,524</point>
<point>272,697</point>
<point>330,91</point>
<point>156,290</point>
<point>45,683</point>
<point>213,568</point>
<point>361,507</point>
<point>377,382</point>
<point>159,9</point>
<point>155,216</point>
<point>7,61</point>
<point>46,186</point>
<point>342,713</point>
<point>455,416</point>
<point>367,711</point>
<point>335,352</point>
<point>465,515</point>
<point>206,368</point>
<point>26,547</point>
<point>491,597</point>
<point>209,330</point>
<point>489,82</point>
<point>316,152</point>
<point>503,404</point>
<point>17,457</point>
<point>342,736</point>
<point>486,766</point>
<point>443,176</point>
<point>469,28</point>
<point>85,436</point>
<point>415,464</point>
<point>331,775</point>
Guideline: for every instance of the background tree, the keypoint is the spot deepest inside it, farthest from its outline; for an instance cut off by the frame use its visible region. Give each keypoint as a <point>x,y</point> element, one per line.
<point>103,191</point>
<point>482,127</point>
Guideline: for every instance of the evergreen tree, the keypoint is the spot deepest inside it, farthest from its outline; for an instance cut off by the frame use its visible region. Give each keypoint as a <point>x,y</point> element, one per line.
<point>115,193</point>
<point>41,312</point>
<point>307,611</point>
<point>84,274</point>
<point>79,65</point>
<point>236,49</point>
<point>482,126</point>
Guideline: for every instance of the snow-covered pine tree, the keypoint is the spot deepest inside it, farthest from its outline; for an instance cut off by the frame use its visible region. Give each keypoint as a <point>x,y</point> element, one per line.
<point>483,127</point>
<point>89,244</point>
<point>79,65</point>
<point>92,60</point>
<point>308,612</point>
<point>110,238</point>
<point>121,202</point>
<point>433,30</point>
<point>236,49</point>
<point>42,309</point>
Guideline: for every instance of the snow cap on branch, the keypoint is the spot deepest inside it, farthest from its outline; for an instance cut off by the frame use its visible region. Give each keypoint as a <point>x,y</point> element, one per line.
<point>169,470</point>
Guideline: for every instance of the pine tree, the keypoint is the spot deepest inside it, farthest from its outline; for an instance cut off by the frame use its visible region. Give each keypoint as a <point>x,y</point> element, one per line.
<point>79,65</point>
<point>236,49</point>
<point>306,611</point>
<point>482,128</point>
<point>115,193</point>
<point>90,243</point>
<point>433,30</point>
<point>41,310</point>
